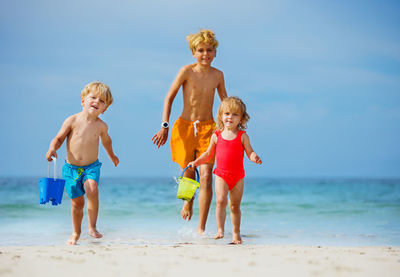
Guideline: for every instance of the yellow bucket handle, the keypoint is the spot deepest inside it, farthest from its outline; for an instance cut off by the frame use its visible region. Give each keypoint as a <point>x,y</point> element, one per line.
<point>195,169</point>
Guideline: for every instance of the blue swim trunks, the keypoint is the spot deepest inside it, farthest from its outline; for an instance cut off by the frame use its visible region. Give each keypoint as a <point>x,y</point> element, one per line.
<point>75,177</point>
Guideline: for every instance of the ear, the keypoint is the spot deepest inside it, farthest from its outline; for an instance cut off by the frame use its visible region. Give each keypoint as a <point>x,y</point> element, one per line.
<point>82,101</point>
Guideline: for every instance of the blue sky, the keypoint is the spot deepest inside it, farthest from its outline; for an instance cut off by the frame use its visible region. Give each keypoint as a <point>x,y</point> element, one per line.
<point>321,80</point>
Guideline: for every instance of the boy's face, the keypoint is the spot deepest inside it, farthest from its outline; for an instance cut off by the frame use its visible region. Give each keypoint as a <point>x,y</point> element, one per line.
<point>204,54</point>
<point>94,104</point>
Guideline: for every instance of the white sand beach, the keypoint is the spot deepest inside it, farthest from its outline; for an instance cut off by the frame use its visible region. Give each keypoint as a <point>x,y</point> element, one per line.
<point>198,260</point>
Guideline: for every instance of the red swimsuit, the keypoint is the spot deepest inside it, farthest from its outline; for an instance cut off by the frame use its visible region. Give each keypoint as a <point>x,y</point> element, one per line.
<point>229,155</point>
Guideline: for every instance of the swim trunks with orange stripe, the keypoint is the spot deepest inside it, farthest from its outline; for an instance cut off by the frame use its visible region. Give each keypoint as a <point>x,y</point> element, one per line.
<point>190,139</point>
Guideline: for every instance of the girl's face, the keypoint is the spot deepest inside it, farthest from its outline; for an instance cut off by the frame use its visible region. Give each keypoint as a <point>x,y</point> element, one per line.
<point>231,119</point>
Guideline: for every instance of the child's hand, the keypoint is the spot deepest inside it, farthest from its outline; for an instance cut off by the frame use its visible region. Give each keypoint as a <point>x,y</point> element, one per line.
<point>192,164</point>
<point>51,153</point>
<point>115,160</point>
<point>160,138</point>
<point>255,158</point>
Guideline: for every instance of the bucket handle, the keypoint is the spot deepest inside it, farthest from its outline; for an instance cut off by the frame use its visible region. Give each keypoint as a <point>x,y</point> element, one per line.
<point>197,173</point>
<point>55,167</point>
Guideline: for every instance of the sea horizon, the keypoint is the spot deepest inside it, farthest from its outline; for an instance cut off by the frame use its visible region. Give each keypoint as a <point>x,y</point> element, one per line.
<point>338,211</point>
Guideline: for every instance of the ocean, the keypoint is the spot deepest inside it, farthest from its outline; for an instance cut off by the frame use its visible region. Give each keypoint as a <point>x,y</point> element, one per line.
<point>275,211</point>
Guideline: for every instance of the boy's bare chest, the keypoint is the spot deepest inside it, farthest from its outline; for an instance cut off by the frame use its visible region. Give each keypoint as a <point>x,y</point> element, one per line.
<point>86,132</point>
<point>203,83</point>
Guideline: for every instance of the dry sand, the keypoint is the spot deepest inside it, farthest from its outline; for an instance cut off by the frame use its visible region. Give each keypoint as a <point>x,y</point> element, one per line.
<point>198,260</point>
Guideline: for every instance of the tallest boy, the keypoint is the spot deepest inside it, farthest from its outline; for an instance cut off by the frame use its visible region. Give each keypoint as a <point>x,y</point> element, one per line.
<point>191,133</point>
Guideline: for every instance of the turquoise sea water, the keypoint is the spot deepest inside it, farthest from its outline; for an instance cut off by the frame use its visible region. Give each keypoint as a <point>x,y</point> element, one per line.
<point>342,212</point>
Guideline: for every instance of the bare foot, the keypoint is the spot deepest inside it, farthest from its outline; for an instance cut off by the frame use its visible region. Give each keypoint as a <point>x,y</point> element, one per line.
<point>237,239</point>
<point>219,235</point>
<point>94,233</point>
<point>200,231</point>
<point>73,239</point>
<point>187,210</point>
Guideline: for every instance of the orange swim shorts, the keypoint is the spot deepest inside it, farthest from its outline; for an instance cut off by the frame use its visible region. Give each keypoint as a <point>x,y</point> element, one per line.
<point>190,139</point>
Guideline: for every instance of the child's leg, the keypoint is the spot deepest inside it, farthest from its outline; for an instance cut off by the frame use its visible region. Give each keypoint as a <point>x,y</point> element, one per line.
<point>187,209</point>
<point>77,205</point>
<point>235,198</point>
<point>92,194</point>
<point>205,195</point>
<point>221,192</point>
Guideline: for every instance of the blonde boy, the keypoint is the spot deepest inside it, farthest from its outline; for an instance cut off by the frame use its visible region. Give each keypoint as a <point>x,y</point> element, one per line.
<point>82,168</point>
<point>191,132</point>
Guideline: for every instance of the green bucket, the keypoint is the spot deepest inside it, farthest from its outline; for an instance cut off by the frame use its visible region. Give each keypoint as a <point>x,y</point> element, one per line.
<point>187,187</point>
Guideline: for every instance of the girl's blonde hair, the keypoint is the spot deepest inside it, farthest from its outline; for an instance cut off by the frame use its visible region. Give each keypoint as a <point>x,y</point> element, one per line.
<point>204,36</point>
<point>232,104</point>
<point>98,88</point>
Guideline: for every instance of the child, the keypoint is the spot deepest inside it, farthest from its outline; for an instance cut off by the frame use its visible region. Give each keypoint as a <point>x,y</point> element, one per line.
<point>228,143</point>
<point>82,168</point>
<point>192,130</point>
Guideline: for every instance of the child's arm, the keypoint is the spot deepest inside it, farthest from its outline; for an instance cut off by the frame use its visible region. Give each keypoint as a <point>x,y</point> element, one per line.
<point>107,144</point>
<point>58,140</point>
<point>249,150</point>
<point>221,87</point>
<point>160,138</point>
<point>206,155</point>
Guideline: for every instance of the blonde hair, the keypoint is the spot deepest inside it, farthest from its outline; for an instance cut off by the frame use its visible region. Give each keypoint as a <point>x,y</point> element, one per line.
<point>204,36</point>
<point>98,88</point>
<point>233,104</point>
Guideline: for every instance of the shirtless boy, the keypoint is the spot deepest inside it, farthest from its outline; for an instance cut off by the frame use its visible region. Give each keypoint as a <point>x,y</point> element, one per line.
<point>192,131</point>
<point>81,171</point>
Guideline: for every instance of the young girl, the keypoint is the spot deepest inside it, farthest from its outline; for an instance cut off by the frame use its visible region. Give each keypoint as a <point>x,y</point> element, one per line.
<point>229,143</point>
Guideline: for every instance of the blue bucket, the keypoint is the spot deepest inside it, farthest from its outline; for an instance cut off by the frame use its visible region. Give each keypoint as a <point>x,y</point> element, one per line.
<point>51,189</point>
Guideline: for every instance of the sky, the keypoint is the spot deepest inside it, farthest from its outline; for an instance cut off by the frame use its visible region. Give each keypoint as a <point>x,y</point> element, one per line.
<point>321,80</point>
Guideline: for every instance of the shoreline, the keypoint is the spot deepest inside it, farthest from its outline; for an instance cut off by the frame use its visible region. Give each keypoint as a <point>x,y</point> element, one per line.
<point>182,259</point>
